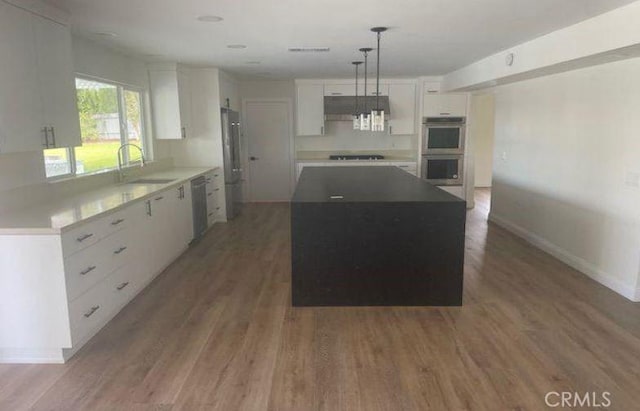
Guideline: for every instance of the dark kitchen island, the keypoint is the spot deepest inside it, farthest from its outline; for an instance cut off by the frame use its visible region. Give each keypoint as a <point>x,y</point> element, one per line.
<point>375,236</point>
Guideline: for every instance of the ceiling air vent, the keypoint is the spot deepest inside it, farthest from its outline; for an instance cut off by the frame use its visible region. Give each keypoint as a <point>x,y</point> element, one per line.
<point>309,49</point>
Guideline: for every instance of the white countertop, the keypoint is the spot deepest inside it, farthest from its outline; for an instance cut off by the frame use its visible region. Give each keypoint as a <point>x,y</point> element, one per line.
<point>57,217</point>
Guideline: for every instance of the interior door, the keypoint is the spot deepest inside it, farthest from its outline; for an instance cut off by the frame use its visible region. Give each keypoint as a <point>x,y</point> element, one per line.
<point>267,127</point>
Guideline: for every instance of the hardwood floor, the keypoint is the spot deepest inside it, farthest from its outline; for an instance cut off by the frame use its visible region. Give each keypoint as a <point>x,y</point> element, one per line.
<point>216,331</point>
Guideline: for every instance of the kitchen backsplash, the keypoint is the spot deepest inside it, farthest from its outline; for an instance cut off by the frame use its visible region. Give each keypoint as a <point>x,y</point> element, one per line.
<point>340,136</point>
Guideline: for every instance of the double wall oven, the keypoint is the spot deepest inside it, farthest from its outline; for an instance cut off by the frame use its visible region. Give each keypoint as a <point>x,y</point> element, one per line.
<point>443,140</point>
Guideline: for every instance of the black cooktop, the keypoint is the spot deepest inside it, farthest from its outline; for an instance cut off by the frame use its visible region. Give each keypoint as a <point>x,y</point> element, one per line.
<point>356,157</point>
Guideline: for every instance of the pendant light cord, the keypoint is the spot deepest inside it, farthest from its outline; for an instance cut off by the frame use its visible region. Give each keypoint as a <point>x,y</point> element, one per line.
<point>356,112</point>
<point>365,81</point>
<point>378,76</point>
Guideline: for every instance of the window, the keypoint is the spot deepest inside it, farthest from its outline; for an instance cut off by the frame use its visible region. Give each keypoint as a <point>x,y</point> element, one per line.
<point>110,115</point>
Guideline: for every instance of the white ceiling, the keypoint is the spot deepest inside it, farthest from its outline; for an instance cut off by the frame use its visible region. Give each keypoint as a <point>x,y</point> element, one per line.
<point>426,37</point>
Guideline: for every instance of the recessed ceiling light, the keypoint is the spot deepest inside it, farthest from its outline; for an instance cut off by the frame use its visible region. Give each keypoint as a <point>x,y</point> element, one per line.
<point>105,33</point>
<point>210,19</point>
<point>236,46</point>
<point>252,62</point>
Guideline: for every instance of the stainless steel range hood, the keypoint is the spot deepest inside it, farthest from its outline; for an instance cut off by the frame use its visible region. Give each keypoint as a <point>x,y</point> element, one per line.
<point>341,108</point>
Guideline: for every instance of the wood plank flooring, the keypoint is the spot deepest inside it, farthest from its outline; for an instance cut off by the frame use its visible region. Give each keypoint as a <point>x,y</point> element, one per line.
<point>216,331</point>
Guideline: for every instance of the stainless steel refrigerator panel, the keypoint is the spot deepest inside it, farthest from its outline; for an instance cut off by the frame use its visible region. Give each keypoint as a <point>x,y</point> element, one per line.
<point>231,145</point>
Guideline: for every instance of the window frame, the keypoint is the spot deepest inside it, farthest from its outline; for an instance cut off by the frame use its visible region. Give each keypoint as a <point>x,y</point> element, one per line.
<point>124,134</point>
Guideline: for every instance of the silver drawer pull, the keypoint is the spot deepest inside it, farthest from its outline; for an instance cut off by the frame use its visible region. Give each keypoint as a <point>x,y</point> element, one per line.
<point>119,250</point>
<point>122,286</point>
<point>118,221</point>
<point>84,237</point>
<point>336,197</point>
<point>159,198</point>
<point>88,270</point>
<point>91,311</point>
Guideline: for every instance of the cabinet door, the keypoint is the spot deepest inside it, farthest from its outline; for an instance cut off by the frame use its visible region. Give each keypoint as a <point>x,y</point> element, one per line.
<point>165,104</point>
<point>371,89</point>
<point>21,112</point>
<point>184,101</point>
<point>402,99</point>
<point>341,89</point>
<point>310,105</point>
<point>184,220</point>
<point>57,82</point>
<point>445,105</point>
<point>431,87</point>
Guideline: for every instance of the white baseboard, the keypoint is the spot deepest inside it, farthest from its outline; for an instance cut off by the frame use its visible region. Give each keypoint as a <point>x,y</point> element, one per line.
<point>580,264</point>
<point>31,356</point>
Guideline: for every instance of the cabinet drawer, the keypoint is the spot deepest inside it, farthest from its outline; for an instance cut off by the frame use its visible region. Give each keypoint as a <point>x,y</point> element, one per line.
<point>85,269</point>
<point>126,283</point>
<point>90,265</point>
<point>98,305</point>
<point>118,248</point>
<point>82,237</point>
<point>211,216</point>
<point>117,221</point>
<point>91,310</point>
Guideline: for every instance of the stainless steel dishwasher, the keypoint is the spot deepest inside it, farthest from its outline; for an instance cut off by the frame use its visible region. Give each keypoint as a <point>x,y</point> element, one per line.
<point>199,204</point>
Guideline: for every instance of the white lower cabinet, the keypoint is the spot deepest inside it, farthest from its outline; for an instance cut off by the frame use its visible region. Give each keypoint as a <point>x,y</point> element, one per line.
<point>91,272</point>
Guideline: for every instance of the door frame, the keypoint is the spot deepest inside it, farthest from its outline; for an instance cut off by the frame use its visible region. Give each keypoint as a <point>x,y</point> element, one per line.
<point>245,144</point>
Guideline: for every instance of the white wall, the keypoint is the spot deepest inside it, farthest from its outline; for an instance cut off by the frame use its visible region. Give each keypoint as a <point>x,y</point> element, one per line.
<point>565,146</point>
<point>481,131</point>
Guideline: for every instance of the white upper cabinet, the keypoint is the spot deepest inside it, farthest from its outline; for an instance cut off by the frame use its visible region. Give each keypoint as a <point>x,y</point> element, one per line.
<point>445,105</point>
<point>402,102</point>
<point>310,109</point>
<point>431,87</point>
<point>350,89</point>
<point>341,90</point>
<point>21,114</point>
<point>171,103</point>
<point>37,91</point>
<point>371,89</point>
<point>57,83</point>
<point>184,101</point>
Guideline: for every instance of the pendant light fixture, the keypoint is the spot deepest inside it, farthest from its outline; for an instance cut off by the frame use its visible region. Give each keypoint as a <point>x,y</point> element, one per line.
<point>356,111</point>
<point>365,118</point>
<point>377,114</point>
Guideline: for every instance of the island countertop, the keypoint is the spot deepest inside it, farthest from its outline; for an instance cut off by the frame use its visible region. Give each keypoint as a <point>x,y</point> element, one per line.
<point>365,184</point>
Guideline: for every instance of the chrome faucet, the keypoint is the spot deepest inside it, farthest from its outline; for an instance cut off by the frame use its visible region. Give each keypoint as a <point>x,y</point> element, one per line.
<point>120,160</point>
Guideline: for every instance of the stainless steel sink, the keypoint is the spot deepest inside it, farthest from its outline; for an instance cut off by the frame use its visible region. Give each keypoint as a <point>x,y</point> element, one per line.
<point>152,181</point>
